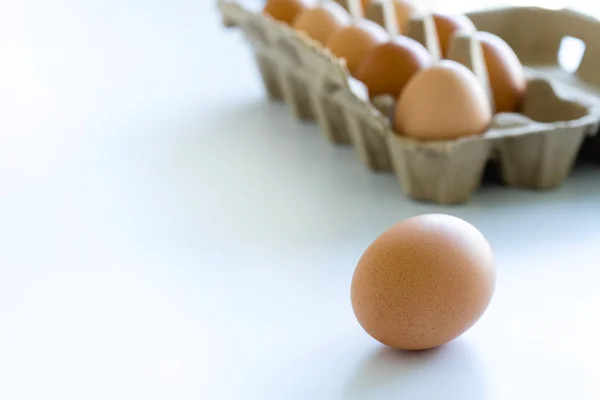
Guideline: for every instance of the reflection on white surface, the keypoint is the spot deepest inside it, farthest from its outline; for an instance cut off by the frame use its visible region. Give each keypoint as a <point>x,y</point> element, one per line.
<point>166,233</point>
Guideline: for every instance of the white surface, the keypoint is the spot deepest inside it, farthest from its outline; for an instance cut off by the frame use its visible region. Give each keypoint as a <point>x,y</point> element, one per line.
<point>166,233</point>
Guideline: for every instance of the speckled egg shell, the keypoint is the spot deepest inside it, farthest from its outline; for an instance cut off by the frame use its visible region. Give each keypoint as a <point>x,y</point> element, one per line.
<point>423,282</point>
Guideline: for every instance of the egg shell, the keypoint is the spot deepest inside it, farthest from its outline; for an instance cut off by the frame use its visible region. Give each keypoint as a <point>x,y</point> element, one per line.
<point>286,10</point>
<point>404,11</point>
<point>354,42</point>
<point>423,282</point>
<point>443,102</point>
<point>389,66</point>
<point>447,25</point>
<point>321,22</point>
<point>506,74</point>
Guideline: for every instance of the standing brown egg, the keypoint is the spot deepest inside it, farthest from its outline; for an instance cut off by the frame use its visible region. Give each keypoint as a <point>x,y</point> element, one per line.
<point>423,282</point>
<point>443,102</point>
<point>286,10</point>
<point>389,66</point>
<point>447,25</point>
<point>321,22</point>
<point>506,74</point>
<point>354,42</point>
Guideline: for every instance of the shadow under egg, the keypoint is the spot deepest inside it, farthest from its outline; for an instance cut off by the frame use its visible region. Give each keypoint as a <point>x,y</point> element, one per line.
<point>452,371</point>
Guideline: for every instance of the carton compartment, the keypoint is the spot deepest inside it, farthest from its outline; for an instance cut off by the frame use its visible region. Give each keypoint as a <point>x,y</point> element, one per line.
<point>268,66</point>
<point>305,66</point>
<point>331,118</point>
<point>543,160</point>
<point>368,129</point>
<point>544,103</point>
<point>370,142</point>
<point>441,176</point>
<point>300,92</point>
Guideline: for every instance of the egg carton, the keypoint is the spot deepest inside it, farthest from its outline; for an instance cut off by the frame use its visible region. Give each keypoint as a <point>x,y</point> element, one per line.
<point>534,149</point>
<point>294,68</point>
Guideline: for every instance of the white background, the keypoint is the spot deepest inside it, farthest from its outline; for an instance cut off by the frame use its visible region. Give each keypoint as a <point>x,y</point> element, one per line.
<point>167,233</point>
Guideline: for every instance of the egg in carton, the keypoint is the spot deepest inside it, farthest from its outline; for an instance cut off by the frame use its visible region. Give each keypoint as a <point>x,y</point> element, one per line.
<point>535,148</point>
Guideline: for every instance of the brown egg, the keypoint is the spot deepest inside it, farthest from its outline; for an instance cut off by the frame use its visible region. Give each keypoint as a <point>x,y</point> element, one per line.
<point>447,25</point>
<point>404,11</point>
<point>354,42</point>
<point>321,22</point>
<point>286,10</point>
<point>506,74</point>
<point>388,68</point>
<point>443,102</point>
<point>423,282</point>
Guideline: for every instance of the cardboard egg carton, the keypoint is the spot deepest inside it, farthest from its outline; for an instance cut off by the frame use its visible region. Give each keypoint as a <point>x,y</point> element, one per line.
<point>294,68</point>
<point>534,149</point>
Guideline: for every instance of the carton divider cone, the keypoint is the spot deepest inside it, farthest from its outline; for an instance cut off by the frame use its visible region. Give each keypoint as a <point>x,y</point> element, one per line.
<point>466,49</point>
<point>421,27</point>
<point>303,68</point>
<point>382,12</point>
<point>330,105</point>
<point>354,8</point>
